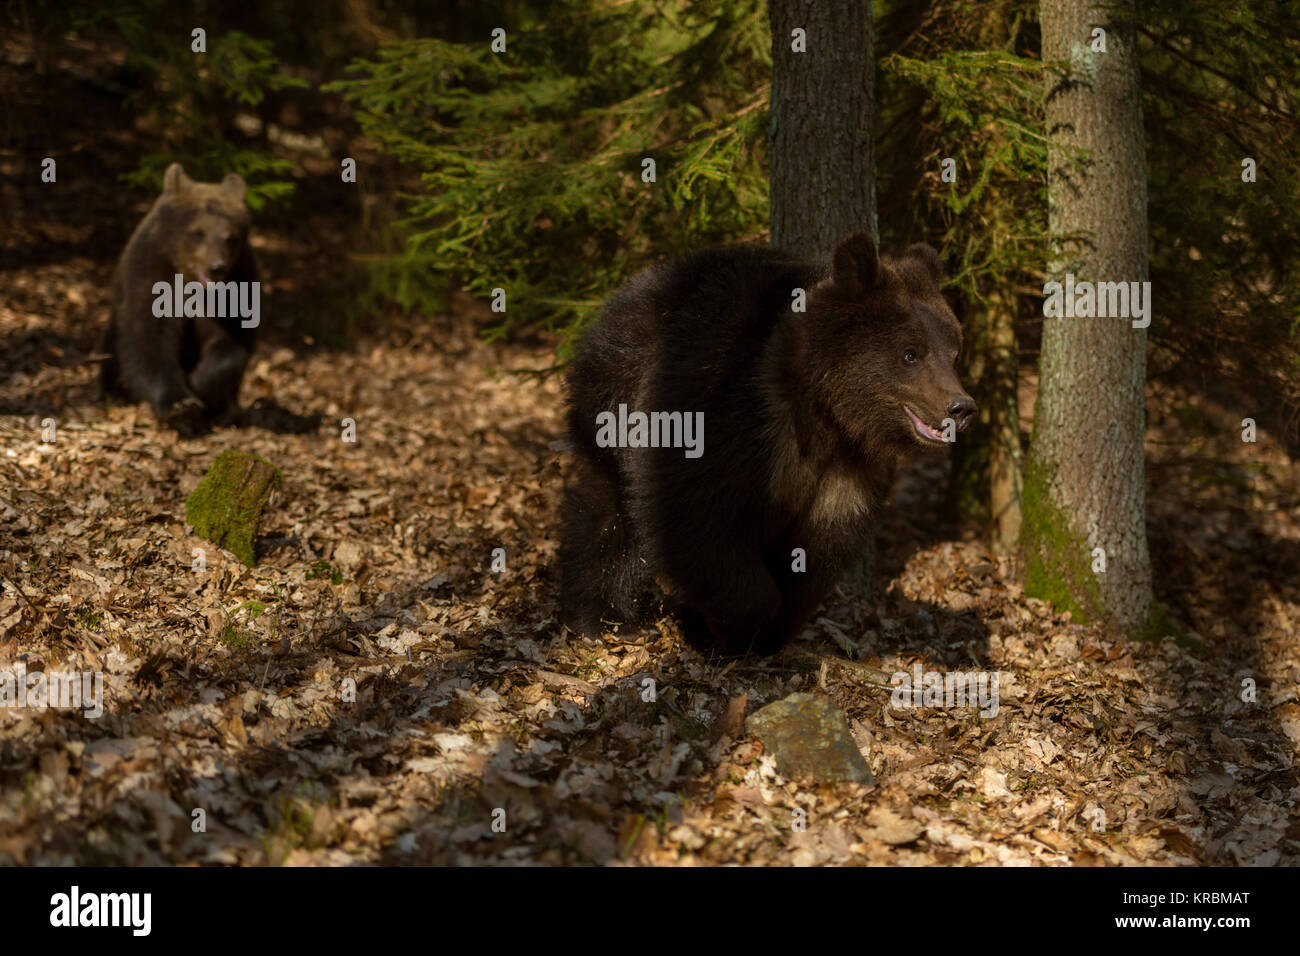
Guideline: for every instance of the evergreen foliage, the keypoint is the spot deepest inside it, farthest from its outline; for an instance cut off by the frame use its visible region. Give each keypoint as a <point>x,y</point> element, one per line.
<point>1221,83</point>
<point>189,101</point>
<point>964,82</point>
<point>531,159</point>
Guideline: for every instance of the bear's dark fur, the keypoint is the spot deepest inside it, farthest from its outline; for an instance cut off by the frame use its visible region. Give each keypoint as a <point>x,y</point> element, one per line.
<point>187,369</point>
<point>806,416</point>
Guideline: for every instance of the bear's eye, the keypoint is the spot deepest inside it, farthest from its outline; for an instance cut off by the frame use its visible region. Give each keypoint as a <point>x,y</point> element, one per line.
<point>196,234</point>
<point>910,356</point>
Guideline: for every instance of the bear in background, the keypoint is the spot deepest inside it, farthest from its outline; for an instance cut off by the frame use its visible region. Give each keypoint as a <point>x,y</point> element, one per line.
<point>187,367</point>
<point>790,430</point>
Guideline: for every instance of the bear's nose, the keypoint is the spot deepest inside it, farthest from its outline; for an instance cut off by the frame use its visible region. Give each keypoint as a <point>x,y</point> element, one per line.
<point>961,410</point>
<point>217,269</point>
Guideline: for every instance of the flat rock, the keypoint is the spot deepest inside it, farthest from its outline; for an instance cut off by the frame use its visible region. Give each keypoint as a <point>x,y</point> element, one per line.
<point>809,737</point>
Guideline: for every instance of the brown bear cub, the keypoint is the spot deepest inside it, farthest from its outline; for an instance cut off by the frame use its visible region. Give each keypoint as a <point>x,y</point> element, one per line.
<point>808,412</point>
<point>186,359</point>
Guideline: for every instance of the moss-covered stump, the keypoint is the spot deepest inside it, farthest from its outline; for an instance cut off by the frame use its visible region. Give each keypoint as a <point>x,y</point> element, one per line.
<point>226,507</point>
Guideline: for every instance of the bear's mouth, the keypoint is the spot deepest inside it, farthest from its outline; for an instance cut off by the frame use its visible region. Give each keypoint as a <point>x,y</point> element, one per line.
<point>922,429</point>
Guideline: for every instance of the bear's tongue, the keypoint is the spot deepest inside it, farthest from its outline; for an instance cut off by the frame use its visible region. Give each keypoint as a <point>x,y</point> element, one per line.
<point>925,430</point>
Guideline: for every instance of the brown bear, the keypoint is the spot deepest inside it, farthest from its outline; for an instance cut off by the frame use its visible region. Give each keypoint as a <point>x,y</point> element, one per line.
<point>185,303</point>
<point>807,412</point>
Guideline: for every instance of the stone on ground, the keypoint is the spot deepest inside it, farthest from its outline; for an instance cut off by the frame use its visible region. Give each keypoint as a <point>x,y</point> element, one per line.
<point>809,737</point>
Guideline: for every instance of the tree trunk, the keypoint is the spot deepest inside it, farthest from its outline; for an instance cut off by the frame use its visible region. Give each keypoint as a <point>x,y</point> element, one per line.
<point>986,483</point>
<point>822,171</point>
<point>1084,483</point>
<point>1002,359</point>
<point>823,174</point>
<point>1002,380</point>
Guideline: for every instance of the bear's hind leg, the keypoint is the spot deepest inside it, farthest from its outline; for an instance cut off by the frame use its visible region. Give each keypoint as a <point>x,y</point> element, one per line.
<point>601,577</point>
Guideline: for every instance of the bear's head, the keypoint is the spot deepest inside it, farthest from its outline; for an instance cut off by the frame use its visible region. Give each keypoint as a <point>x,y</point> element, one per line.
<point>883,344</point>
<point>205,225</point>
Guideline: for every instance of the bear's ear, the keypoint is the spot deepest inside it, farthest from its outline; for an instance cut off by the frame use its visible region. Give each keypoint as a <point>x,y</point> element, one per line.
<point>234,185</point>
<point>926,255</point>
<point>857,264</point>
<point>175,180</point>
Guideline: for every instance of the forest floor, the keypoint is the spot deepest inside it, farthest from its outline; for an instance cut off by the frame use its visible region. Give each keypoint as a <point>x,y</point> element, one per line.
<point>225,687</point>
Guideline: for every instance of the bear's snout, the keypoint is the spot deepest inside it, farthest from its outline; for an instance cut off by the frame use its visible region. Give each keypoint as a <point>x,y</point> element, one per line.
<point>961,410</point>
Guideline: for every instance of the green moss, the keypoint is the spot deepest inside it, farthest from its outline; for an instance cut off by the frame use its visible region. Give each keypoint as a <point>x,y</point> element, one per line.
<point>234,638</point>
<point>90,620</point>
<point>226,507</point>
<point>1056,558</point>
<point>322,569</point>
<point>291,825</point>
<point>254,608</point>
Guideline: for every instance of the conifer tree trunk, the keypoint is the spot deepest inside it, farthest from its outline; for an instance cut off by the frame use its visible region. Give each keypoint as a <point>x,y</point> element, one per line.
<point>1084,481</point>
<point>987,479</point>
<point>822,170</point>
<point>1005,466</point>
<point>823,174</point>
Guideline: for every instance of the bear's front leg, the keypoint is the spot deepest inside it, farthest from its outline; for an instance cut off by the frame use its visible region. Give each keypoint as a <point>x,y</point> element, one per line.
<point>148,359</point>
<point>216,377</point>
<point>734,596</point>
<point>802,595</point>
<point>826,557</point>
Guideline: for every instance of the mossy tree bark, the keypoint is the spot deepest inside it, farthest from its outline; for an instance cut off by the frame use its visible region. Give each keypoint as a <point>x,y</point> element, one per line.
<point>1084,481</point>
<point>822,169</point>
